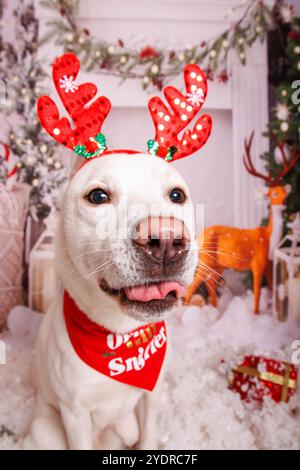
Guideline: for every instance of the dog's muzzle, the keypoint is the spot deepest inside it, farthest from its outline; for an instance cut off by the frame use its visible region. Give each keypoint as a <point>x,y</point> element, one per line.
<point>161,246</point>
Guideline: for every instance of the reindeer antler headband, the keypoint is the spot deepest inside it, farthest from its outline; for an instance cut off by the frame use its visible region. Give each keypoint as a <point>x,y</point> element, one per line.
<point>86,139</point>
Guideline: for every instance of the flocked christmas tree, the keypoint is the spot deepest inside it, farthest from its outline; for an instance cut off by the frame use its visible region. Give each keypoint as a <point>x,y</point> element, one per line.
<point>23,74</point>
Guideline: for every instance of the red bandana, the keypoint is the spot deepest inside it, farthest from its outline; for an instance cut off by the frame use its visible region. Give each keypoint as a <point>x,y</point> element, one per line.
<point>134,358</point>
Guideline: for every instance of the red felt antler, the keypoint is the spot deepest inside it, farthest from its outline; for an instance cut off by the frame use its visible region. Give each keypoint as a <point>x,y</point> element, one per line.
<point>168,125</point>
<point>84,138</point>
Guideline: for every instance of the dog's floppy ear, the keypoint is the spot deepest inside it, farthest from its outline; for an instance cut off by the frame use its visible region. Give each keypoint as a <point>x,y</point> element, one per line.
<point>169,123</point>
<point>85,138</point>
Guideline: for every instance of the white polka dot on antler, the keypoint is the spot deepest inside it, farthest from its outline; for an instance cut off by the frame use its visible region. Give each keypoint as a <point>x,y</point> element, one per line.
<point>184,117</point>
<point>161,127</point>
<point>56,131</point>
<point>177,101</point>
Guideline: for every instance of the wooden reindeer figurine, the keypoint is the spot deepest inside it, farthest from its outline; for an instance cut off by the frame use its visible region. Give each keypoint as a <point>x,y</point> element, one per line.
<point>222,247</point>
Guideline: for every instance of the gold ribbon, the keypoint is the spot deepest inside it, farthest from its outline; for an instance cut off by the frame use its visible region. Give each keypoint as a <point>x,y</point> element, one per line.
<point>283,380</point>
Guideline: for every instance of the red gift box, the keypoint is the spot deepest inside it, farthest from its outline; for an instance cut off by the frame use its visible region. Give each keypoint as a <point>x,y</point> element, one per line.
<point>258,377</point>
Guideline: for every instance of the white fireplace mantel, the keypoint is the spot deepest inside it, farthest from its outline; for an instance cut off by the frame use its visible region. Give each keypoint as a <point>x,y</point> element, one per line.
<point>183,22</point>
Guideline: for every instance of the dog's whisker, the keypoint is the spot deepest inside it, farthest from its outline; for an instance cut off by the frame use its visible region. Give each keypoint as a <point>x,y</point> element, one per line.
<point>211,237</point>
<point>83,254</point>
<point>206,276</point>
<point>216,275</point>
<point>211,245</point>
<point>73,269</point>
<point>98,269</point>
<point>81,245</point>
<point>224,254</point>
<point>206,270</point>
<point>103,274</point>
<point>86,277</point>
<point>203,264</point>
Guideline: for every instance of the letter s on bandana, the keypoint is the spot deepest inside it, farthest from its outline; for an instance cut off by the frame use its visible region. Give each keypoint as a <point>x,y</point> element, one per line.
<point>134,358</point>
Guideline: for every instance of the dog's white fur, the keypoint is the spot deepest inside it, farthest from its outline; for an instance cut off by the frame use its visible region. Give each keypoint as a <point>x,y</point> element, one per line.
<point>76,406</point>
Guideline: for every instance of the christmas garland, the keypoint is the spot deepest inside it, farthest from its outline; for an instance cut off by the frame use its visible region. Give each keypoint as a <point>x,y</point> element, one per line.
<point>156,65</point>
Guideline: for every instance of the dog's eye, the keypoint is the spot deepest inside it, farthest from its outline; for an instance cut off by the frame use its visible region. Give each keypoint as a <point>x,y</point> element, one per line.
<point>97,196</point>
<point>177,196</point>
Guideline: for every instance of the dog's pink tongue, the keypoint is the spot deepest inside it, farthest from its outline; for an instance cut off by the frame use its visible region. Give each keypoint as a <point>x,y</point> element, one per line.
<point>154,291</point>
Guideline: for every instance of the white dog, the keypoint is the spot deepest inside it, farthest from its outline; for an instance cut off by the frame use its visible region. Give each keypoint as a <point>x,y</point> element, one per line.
<point>125,250</point>
<point>121,281</point>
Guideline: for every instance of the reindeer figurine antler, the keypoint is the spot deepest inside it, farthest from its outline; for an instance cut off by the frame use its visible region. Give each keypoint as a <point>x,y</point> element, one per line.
<point>287,164</point>
<point>167,143</point>
<point>85,139</point>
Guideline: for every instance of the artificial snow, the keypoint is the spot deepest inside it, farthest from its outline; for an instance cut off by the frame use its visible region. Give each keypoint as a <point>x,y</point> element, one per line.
<point>198,409</point>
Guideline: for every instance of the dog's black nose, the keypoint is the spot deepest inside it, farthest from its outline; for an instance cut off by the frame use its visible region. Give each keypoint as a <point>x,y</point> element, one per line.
<point>162,238</point>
